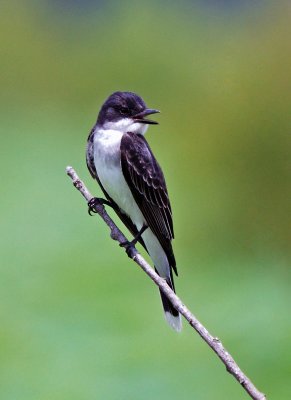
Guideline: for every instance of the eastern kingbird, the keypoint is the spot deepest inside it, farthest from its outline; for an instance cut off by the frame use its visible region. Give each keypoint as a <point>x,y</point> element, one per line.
<point>120,159</point>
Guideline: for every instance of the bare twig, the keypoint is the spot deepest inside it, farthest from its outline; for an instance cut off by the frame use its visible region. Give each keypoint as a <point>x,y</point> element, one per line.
<point>213,342</point>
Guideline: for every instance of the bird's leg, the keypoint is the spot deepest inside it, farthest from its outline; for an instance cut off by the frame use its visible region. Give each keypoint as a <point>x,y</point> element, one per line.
<point>129,246</point>
<point>98,200</point>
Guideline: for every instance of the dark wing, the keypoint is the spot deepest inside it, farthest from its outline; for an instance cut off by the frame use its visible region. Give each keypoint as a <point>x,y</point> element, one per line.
<point>147,184</point>
<point>91,167</point>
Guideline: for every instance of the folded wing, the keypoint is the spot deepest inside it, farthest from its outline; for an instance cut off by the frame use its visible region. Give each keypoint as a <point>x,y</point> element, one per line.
<point>147,184</point>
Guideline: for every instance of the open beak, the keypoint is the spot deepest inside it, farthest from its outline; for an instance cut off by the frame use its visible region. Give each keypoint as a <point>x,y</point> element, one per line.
<point>141,117</point>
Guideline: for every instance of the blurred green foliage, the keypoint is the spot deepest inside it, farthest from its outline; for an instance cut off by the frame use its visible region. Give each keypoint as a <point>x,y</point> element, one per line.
<point>78,320</point>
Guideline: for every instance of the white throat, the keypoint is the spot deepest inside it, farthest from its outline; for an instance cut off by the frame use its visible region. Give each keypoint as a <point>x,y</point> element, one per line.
<point>126,125</point>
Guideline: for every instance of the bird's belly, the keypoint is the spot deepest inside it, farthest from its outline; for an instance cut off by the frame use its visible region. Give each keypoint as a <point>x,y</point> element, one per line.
<point>109,171</point>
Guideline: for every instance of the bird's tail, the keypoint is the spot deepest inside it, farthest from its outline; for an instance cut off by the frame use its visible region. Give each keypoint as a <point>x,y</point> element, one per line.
<point>173,316</point>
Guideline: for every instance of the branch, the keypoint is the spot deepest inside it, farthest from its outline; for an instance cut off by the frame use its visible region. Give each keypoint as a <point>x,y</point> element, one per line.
<point>213,342</point>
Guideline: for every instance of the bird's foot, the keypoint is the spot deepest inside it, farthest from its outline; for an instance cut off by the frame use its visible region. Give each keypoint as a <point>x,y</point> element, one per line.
<point>130,246</point>
<point>95,201</point>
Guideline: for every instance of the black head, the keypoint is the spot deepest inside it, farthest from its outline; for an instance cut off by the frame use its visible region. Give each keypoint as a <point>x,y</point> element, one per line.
<point>125,105</point>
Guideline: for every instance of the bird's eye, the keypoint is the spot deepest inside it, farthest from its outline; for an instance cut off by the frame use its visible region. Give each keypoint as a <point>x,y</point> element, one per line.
<point>124,110</point>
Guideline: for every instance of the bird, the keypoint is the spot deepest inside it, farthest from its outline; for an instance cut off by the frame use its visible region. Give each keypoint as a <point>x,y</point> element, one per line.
<point>121,161</point>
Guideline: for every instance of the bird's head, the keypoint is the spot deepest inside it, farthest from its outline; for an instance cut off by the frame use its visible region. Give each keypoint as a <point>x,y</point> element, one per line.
<point>125,112</point>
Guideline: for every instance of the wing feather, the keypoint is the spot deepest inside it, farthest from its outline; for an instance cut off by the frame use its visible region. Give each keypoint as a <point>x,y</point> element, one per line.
<point>147,184</point>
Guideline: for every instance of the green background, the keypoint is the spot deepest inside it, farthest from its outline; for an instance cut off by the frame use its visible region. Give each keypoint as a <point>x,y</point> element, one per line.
<point>78,318</point>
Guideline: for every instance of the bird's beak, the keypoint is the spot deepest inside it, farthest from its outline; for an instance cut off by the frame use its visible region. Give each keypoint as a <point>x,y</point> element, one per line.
<point>141,116</point>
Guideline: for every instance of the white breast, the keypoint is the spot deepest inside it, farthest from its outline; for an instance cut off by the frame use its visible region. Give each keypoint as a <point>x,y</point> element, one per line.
<point>108,166</point>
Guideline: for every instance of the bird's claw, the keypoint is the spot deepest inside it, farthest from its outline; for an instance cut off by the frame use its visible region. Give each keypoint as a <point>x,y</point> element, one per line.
<point>95,201</point>
<point>129,248</point>
<point>92,204</point>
